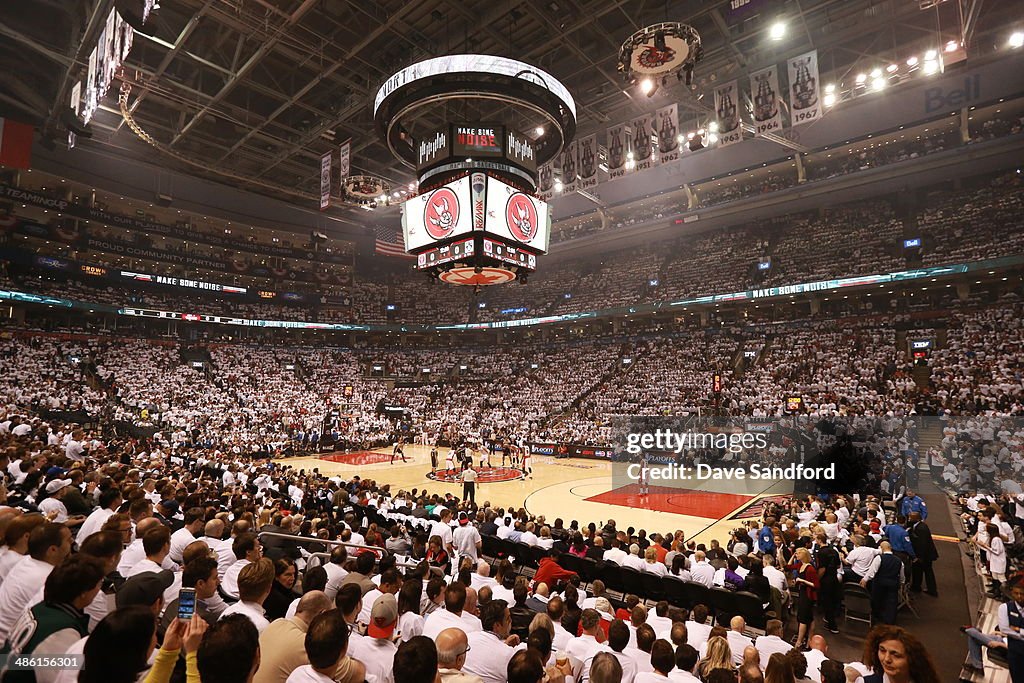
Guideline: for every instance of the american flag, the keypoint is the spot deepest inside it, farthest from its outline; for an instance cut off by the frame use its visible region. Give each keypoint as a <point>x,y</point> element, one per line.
<point>389,243</point>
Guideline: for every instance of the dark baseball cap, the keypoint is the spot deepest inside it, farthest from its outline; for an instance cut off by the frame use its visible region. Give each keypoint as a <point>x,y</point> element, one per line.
<point>144,589</point>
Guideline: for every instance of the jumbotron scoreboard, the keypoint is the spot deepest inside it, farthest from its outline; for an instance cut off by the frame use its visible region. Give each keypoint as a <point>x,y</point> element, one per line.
<point>476,221</point>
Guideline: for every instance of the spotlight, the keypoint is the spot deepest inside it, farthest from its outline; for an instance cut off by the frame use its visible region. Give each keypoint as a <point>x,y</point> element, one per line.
<point>860,79</point>
<point>539,130</point>
<point>629,156</point>
<point>931,54</point>
<point>878,83</point>
<point>680,138</point>
<point>690,135</point>
<point>930,66</point>
<point>1016,39</point>
<point>891,68</point>
<point>713,126</point>
<point>830,88</point>
<point>876,73</point>
<point>777,31</point>
<point>829,99</point>
<point>952,45</point>
<point>647,86</point>
<point>912,62</point>
<point>558,186</point>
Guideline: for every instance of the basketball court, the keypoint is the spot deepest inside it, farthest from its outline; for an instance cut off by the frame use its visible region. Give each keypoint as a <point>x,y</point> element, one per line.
<point>569,488</point>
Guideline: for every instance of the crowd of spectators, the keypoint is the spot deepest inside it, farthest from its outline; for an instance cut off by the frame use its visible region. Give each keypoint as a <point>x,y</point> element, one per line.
<point>101,534</point>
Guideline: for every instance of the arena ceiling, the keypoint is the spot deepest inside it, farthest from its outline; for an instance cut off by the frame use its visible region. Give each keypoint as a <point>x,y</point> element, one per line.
<point>262,88</point>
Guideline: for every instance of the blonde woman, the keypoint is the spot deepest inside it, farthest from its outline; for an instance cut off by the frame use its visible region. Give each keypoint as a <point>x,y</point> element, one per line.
<point>718,656</point>
<point>651,564</point>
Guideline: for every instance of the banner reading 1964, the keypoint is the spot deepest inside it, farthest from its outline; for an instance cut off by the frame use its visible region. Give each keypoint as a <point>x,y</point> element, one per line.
<point>764,87</point>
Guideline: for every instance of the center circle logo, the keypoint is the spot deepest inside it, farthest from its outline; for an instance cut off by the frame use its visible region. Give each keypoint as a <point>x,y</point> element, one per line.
<point>521,217</point>
<point>441,214</point>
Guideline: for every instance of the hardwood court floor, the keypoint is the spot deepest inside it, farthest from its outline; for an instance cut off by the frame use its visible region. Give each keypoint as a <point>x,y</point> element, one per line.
<point>568,488</point>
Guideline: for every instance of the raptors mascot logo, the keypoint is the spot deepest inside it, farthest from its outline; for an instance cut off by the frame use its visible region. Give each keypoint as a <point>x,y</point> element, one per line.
<point>441,214</point>
<point>521,217</point>
<point>652,58</point>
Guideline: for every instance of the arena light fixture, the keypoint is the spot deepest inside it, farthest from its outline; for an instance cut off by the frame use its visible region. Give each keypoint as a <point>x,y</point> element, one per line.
<point>713,126</point>
<point>829,99</point>
<point>558,186</point>
<point>876,73</point>
<point>647,86</point>
<point>930,67</point>
<point>860,79</point>
<point>1016,39</point>
<point>539,130</point>
<point>878,83</point>
<point>892,68</point>
<point>952,45</point>
<point>931,54</point>
<point>912,61</point>
<point>777,31</point>
<point>830,88</point>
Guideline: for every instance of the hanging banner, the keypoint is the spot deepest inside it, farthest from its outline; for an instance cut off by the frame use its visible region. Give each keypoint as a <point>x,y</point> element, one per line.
<point>643,150</point>
<point>570,164</point>
<point>618,148</point>
<point>345,160</point>
<point>728,114</point>
<point>546,181</point>
<point>325,181</point>
<point>764,87</point>
<point>667,120</point>
<point>804,96</point>
<point>588,162</point>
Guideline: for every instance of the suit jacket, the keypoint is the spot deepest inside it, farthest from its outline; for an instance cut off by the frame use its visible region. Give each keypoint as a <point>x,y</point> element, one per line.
<point>924,545</point>
<point>275,548</point>
<point>536,605</point>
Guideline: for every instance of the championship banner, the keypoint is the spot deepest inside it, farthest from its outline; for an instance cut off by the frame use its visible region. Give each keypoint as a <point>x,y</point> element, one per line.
<point>345,160</point>
<point>570,165</point>
<point>643,150</point>
<point>546,181</point>
<point>667,119</point>
<point>588,162</point>
<point>325,181</point>
<point>804,95</point>
<point>728,114</point>
<point>618,147</point>
<point>764,86</point>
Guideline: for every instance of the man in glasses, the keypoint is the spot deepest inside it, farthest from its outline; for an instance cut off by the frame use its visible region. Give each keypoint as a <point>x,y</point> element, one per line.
<point>452,646</point>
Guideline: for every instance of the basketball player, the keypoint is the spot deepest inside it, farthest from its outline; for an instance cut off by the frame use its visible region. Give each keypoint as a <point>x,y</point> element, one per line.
<point>433,457</point>
<point>397,451</point>
<point>527,471</point>
<point>449,460</point>
<point>644,479</point>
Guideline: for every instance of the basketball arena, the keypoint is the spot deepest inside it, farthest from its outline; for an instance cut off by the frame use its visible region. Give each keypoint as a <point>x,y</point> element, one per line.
<point>581,341</point>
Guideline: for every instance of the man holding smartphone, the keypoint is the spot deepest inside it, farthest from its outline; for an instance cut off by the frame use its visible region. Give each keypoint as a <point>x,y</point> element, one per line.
<point>199,582</point>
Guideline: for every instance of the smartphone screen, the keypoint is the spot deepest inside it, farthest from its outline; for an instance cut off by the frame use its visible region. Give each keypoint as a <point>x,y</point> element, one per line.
<point>186,603</point>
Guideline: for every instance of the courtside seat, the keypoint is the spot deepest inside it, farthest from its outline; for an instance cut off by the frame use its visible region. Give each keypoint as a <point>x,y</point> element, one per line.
<point>675,592</point>
<point>653,587</point>
<point>632,582</point>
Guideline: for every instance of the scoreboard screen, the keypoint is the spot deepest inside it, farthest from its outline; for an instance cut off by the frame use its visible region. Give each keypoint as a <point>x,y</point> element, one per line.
<point>478,141</point>
<point>436,216</point>
<point>517,217</point>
